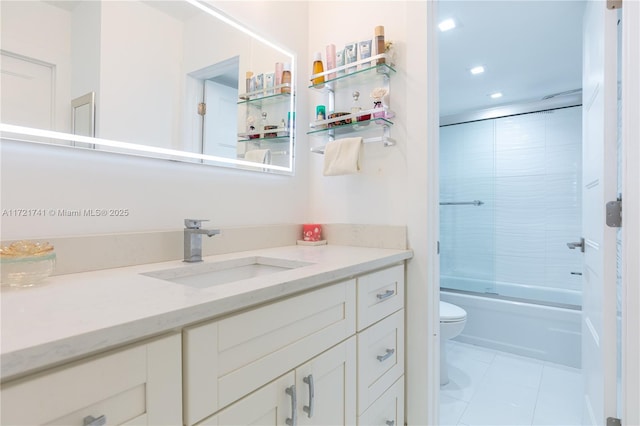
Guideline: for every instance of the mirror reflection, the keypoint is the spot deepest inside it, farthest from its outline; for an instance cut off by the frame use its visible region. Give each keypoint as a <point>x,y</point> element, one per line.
<point>163,75</point>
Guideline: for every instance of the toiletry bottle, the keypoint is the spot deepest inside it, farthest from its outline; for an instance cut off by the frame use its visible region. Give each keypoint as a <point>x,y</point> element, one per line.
<point>263,125</point>
<point>278,76</point>
<point>379,40</point>
<point>249,88</point>
<point>286,77</point>
<point>318,68</point>
<point>291,121</point>
<point>355,106</point>
<point>362,118</point>
<point>331,60</point>
<point>321,115</point>
<point>283,128</point>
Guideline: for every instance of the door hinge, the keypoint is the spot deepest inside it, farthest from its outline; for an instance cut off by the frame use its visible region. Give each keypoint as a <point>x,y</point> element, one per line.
<point>612,421</point>
<point>202,108</point>
<point>614,213</point>
<point>438,247</point>
<point>614,4</point>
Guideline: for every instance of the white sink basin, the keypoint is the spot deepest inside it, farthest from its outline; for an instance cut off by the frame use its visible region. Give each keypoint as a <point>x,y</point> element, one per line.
<point>208,274</point>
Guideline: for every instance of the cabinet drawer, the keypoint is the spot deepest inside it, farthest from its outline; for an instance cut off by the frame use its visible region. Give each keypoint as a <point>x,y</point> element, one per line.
<point>138,385</point>
<point>229,358</point>
<point>388,410</point>
<point>380,294</point>
<point>380,358</point>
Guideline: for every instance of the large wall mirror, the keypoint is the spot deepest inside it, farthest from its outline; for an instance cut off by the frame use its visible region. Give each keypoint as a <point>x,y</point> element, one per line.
<point>170,79</point>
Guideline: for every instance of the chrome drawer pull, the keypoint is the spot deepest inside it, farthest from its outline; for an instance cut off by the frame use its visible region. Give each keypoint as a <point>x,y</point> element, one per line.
<point>390,422</point>
<point>309,408</point>
<point>385,295</point>
<point>386,355</point>
<point>94,421</point>
<point>293,420</point>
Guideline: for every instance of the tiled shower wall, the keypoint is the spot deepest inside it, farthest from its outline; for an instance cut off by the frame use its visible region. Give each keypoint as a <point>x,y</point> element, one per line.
<point>527,171</point>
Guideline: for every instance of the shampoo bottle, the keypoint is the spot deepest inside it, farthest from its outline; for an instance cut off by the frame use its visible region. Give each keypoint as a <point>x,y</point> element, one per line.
<point>318,68</point>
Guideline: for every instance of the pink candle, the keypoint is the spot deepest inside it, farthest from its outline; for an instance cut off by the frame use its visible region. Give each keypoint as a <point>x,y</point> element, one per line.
<point>311,232</point>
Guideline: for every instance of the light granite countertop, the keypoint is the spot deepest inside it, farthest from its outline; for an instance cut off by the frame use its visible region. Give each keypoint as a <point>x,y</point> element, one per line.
<point>76,315</point>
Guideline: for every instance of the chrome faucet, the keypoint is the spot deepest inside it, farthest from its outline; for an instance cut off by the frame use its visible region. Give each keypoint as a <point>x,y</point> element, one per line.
<point>193,239</point>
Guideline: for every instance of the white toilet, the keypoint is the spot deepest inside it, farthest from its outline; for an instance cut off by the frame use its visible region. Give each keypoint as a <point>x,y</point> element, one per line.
<point>452,321</point>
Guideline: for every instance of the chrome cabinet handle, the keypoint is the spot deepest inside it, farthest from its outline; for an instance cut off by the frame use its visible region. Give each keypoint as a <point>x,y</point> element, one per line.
<point>309,408</point>
<point>385,295</point>
<point>293,420</point>
<point>386,355</point>
<point>94,421</point>
<point>579,244</point>
<point>390,422</point>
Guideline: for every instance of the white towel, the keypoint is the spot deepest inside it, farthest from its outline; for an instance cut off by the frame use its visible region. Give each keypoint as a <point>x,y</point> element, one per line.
<point>342,157</point>
<point>262,156</point>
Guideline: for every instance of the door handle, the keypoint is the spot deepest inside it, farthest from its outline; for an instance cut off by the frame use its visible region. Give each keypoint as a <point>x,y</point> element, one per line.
<point>293,420</point>
<point>309,408</point>
<point>579,244</point>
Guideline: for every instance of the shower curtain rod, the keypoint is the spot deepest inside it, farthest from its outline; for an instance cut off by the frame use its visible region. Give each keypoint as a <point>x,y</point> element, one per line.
<point>462,203</point>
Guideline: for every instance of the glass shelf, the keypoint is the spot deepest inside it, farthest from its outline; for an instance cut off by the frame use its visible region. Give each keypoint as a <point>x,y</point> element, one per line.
<point>370,73</point>
<point>277,139</point>
<point>354,127</point>
<point>260,98</point>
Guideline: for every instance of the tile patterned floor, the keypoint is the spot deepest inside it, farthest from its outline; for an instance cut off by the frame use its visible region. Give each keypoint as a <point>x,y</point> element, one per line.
<point>489,387</point>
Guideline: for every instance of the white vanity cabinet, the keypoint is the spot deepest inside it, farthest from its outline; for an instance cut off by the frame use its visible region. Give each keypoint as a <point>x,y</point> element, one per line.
<point>323,357</point>
<point>138,385</point>
<point>331,355</point>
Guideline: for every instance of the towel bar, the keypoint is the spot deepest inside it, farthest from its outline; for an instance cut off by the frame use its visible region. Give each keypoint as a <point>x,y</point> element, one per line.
<point>386,141</point>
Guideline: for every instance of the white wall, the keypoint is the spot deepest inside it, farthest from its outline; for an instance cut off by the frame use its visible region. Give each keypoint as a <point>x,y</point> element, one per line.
<point>140,76</point>
<point>159,194</point>
<point>378,195</point>
<point>393,186</point>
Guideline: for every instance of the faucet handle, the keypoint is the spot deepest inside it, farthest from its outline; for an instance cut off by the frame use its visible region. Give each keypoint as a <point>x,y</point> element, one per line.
<point>194,223</point>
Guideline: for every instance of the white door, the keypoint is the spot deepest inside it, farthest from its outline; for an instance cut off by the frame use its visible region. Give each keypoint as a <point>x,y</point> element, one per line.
<point>599,186</point>
<point>27,92</point>
<point>219,135</point>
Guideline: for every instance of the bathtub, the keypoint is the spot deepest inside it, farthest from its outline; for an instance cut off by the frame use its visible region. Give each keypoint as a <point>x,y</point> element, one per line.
<point>524,320</point>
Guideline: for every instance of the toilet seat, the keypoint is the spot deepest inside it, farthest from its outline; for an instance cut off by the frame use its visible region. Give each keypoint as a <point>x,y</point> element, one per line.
<point>451,313</point>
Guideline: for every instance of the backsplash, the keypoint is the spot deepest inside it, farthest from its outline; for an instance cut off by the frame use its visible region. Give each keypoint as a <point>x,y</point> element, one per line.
<point>94,252</point>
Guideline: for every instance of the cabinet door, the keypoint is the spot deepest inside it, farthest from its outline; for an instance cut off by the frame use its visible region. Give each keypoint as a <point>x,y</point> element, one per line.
<point>326,387</point>
<point>137,385</point>
<point>269,405</point>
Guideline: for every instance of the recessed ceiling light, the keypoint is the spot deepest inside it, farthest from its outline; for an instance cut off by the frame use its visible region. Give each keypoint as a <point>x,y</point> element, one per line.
<point>496,95</point>
<point>477,70</point>
<point>446,25</point>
